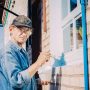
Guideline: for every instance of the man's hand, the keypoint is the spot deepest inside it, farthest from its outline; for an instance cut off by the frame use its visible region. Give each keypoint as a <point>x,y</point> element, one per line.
<point>43,57</point>
<point>41,82</point>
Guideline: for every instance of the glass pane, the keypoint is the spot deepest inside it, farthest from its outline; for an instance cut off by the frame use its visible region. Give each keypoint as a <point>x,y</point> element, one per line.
<point>68,38</point>
<point>64,8</point>
<point>79,31</point>
<point>71,36</point>
<point>73,4</point>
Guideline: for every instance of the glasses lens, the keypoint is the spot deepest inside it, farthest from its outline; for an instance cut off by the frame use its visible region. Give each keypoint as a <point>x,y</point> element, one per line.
<point>25,30</point>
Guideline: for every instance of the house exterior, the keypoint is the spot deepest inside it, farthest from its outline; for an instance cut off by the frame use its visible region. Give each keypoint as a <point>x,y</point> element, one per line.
<point>58,30</point>
<point>65,26</point>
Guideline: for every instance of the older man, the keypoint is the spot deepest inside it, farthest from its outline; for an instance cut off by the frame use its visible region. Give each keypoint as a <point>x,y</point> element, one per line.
<point>15,62</point>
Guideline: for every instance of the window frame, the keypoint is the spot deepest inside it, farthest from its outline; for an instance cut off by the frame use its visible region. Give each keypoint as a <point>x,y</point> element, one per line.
<point>68,6</point>
<point>71,19</point>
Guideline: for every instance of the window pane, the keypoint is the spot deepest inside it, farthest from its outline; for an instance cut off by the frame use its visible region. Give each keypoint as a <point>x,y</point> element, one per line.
<point>79,31</point>
<point>71,36</point>
<point>68,38</point>
<point>64,8</point>
<point>73,4</point>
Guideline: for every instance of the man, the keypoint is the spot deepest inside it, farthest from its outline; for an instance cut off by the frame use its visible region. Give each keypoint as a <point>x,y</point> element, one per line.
<point>15,62</point>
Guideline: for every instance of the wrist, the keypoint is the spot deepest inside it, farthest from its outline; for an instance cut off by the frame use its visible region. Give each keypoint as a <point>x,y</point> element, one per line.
<point>38,64</point>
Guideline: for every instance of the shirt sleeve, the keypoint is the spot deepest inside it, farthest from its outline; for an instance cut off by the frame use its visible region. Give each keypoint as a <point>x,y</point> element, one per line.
<point>17,77</point>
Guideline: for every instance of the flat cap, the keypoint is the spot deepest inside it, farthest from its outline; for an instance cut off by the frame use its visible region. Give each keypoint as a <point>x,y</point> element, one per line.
<point>22,20</point>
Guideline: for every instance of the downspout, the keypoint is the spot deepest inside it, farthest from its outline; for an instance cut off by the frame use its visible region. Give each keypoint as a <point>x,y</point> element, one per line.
<point>85,45</point>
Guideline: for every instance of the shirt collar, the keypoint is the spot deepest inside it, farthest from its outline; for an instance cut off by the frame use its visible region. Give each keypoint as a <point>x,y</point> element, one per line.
<point>15,45</point>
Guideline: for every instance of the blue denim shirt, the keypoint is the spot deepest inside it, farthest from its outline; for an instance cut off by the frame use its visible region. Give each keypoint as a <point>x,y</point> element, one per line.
<point>14,64</point>
<point>3,81</point>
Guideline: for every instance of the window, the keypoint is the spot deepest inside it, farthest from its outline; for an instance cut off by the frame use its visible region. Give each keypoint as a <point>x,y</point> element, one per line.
<point>71,25</point>
<point>68,6</point>
<point>68,38</point>
<point>72,35</point>
<point>79,32</point>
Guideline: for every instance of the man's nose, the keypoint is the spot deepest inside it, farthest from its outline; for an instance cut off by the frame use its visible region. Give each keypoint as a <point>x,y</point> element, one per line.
<point>24,34</point>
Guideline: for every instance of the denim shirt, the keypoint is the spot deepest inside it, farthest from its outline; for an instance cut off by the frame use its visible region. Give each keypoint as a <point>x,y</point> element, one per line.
<point>14,64</point>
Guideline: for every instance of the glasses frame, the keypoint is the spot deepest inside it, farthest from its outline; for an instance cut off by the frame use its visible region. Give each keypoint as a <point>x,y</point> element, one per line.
<point>25,30</point>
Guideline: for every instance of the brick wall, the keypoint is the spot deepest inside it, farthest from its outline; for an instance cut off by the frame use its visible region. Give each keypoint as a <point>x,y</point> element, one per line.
<point>46,38</point>
<point>46,33</point>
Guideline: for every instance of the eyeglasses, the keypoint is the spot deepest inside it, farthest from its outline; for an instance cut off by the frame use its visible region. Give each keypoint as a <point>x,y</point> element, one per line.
<point>25,30</point>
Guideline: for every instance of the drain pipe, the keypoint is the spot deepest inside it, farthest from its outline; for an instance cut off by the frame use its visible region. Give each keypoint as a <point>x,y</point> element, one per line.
<point>85,46</point>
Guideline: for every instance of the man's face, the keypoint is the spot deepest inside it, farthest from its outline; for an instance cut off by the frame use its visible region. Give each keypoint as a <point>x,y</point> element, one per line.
<point>20,34</point>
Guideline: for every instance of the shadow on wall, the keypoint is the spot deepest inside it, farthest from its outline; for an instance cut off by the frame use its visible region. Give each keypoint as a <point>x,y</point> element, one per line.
<point>56,78</point>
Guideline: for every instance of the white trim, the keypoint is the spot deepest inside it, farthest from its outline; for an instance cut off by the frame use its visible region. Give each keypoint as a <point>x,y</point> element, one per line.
<point>68,6</point>
<point>74,35</point>
<point>71,18</point>
<point>80,15</point>
<point>78,2</point>
<point>71,15</point>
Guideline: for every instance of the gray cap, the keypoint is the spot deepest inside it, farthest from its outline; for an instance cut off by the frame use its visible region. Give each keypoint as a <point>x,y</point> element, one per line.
<point>22,20</point>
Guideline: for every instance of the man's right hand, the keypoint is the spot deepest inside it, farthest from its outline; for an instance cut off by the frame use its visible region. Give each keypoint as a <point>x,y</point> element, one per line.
<point>43,57</point>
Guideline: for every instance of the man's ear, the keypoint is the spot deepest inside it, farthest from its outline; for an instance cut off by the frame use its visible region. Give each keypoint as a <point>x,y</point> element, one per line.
<point>11,28</point>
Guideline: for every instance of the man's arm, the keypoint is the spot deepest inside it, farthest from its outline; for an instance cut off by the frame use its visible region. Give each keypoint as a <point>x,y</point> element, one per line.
<point>13,69</point>
<point>43,57</point>
<point>17,77</point>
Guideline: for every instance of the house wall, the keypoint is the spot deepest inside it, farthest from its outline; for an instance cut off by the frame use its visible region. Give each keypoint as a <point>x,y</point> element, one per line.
<point>70,76</point>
